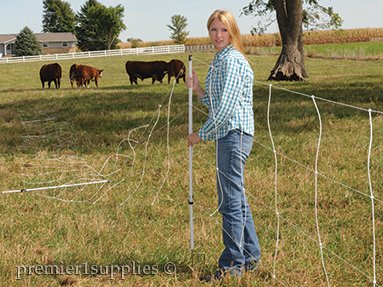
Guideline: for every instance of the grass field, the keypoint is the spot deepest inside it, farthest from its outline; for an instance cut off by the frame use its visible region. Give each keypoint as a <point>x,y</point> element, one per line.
<point>39,231</point>
<point>351,51</point>
<point>367,50</point>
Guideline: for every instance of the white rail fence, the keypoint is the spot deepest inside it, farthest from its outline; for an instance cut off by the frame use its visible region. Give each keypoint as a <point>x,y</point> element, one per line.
<point>91,54</point>
<point>198,48</point>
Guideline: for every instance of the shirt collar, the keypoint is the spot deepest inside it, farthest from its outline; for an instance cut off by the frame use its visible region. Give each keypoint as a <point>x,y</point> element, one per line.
<point>225,51</point>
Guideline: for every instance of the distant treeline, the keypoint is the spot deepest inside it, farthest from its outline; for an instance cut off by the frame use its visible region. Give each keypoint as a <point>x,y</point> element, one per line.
<point>274,40</point>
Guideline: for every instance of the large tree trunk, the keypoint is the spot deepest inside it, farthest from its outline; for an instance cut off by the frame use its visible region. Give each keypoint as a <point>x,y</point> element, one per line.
<point>290,65</point>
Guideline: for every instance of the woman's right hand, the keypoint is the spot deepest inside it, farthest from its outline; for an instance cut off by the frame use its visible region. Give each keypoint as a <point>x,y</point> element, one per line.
<point>193,82</point>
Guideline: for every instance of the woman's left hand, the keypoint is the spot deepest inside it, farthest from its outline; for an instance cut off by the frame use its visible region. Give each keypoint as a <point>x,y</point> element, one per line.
<point>193,139</point>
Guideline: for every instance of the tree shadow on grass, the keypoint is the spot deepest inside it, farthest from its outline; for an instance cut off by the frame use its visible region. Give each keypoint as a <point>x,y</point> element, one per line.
<point>97,115</point>
<point>100,115</point>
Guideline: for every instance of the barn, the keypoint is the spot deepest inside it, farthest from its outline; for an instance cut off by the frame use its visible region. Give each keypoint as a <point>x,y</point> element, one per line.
<point>52,43</point>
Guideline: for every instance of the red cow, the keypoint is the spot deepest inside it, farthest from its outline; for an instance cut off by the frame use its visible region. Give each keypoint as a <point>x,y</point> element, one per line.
<point>51,73</point>
<point>73,75</point>
<point>177,69</point>
<point>87,74</point>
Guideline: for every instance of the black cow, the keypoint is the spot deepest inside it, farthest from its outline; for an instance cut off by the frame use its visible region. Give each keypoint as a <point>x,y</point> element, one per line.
<point>51,73</point>
<point>73,75</point>
<point>142,70</point>
<point>177,69</point>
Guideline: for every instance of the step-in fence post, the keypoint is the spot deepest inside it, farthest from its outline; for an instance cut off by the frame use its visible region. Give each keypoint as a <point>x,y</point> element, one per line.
<point>190,199</point>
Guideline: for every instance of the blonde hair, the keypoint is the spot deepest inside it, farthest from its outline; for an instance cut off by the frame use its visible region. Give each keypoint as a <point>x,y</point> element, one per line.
<point>228,19</point>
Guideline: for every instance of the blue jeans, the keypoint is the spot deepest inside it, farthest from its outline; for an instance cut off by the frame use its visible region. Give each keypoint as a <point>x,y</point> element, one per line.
<point>239,237</point>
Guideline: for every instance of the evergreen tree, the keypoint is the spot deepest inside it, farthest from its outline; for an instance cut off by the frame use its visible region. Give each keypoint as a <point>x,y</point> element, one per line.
<point>178,28</point>
<point>58,16</point>
<point>27,43</point>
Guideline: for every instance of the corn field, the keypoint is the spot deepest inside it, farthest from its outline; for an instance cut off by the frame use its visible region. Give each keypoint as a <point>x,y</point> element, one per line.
<point>274,40</point>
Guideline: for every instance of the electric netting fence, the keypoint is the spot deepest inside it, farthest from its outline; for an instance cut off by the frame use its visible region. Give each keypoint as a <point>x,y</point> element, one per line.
<point>69,177</point>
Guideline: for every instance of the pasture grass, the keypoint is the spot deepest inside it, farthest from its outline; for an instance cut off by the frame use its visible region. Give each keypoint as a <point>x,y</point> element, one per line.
<point>36,230</point>
<point>365,50</point>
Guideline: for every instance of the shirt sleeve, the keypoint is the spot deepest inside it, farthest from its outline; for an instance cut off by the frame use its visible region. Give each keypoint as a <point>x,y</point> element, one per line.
<point>230,93</point>
<point>205,100</point>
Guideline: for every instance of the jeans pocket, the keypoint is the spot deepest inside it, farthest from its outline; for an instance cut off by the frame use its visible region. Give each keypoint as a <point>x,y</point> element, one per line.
<point>246,142</point>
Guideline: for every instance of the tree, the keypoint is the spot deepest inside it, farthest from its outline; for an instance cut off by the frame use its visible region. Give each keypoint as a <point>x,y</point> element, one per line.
<point>85,30</point>
<point>99,26</point>
<point>27,43</point>
<point>109,23</point>
<point>135,42</point>
<point>291,16</point>
<point>178,28</point>
<point>58,16</point>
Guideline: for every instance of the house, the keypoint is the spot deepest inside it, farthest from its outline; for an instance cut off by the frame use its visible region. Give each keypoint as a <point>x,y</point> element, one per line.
<point>52,43</point>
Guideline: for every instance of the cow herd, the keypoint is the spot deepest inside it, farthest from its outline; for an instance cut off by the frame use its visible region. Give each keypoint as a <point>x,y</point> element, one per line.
<point>82,75</point>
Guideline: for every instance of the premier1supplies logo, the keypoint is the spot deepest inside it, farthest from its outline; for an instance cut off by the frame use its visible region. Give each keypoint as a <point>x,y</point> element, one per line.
<point>133,268</point>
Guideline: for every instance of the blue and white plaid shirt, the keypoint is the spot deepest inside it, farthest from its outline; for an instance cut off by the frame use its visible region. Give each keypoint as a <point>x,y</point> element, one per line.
<point>228,96</point>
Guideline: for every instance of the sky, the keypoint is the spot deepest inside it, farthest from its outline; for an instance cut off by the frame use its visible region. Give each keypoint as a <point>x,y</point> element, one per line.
<point>147,19</point>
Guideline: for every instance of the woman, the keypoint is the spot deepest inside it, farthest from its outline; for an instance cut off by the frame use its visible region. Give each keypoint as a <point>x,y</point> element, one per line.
<point>229,98</point>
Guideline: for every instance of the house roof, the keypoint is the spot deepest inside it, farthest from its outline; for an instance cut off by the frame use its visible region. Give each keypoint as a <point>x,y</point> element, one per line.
<point>5,38</point>
<point>42,37</point>
<point>55,37</point>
